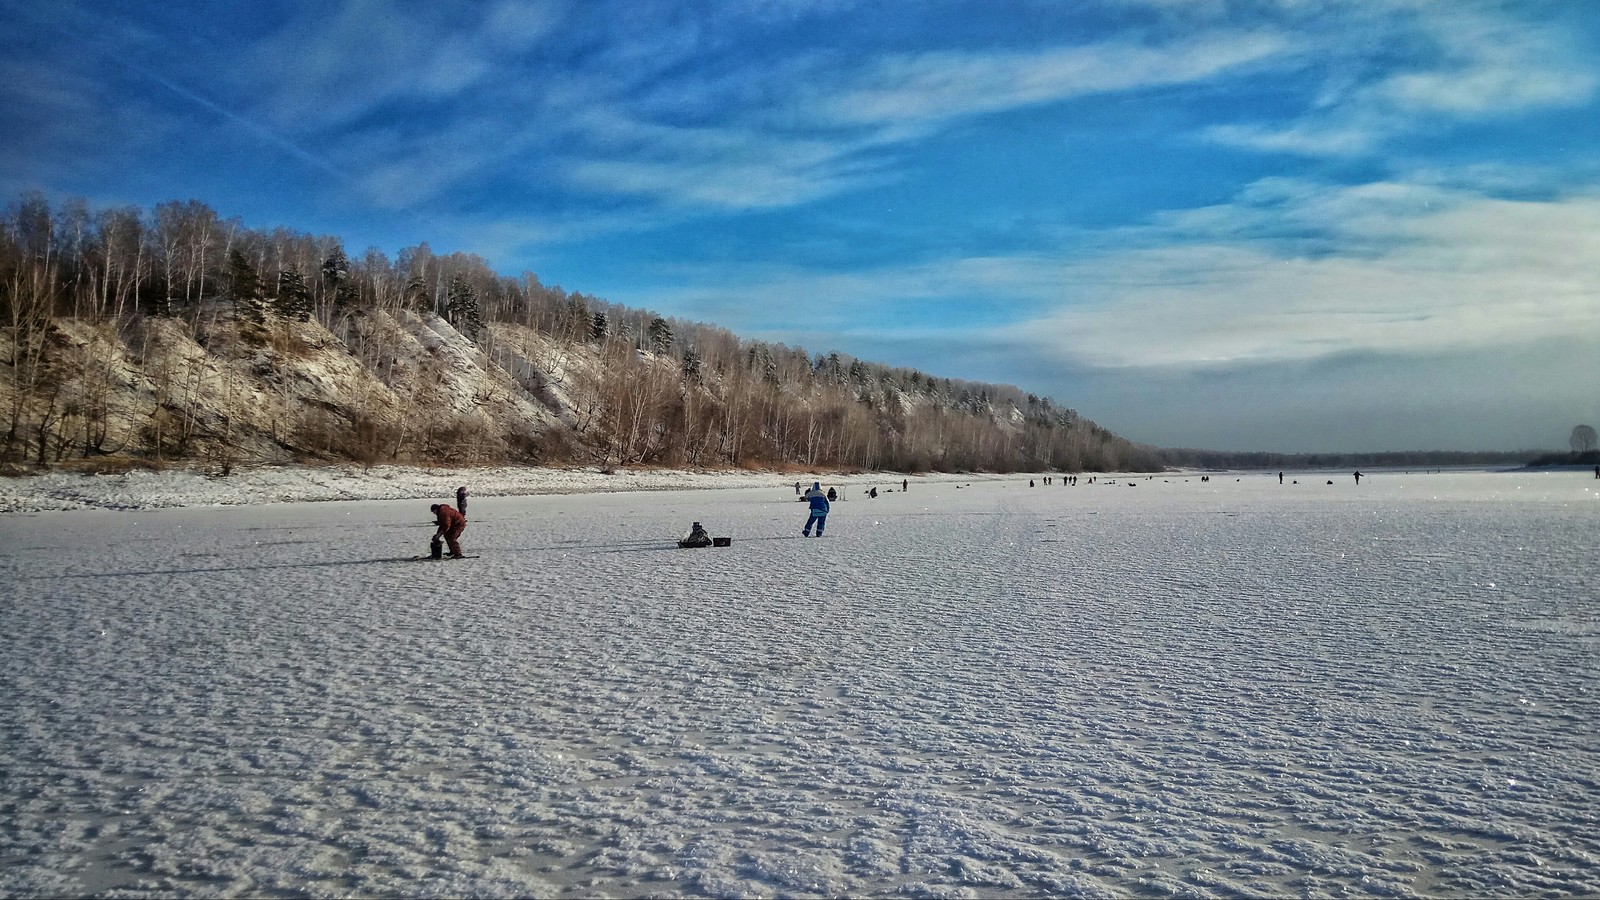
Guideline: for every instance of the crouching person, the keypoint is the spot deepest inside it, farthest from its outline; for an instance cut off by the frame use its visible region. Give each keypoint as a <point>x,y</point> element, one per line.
<point>697,537</point>
<point>451,524</point>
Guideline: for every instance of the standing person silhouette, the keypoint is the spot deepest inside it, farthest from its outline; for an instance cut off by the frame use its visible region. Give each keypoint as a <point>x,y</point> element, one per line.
<point>819,510</point>
<point>1358,477</point>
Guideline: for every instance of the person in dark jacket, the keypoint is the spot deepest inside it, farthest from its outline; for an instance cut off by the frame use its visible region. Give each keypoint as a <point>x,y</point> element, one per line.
<point>451,524</point>
<point>697,537</point>
<point>819,510</point>
<point>461,501</point>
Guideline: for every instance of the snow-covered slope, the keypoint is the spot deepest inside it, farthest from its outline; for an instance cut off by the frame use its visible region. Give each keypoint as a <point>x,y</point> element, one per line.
<point>395,385</point>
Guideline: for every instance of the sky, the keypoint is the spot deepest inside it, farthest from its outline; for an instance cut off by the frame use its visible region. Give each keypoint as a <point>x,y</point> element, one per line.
<point>1284,225</point>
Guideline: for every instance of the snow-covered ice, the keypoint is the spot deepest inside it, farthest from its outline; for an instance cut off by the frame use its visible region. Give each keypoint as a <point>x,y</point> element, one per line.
<point>1187,688</point>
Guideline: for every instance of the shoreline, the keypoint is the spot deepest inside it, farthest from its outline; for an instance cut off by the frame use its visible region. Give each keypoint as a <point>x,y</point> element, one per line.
<point>143,489</point>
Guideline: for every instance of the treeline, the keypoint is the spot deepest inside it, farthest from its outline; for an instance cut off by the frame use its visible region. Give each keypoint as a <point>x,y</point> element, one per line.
<point>1221,459</point>
<point>614,385</point>
<point>1575,458</point>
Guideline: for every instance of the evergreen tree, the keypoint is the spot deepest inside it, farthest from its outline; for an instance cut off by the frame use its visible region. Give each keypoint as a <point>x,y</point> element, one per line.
<point>336,278</point>
<point>294,298</point>
<point>336,268</point>
<point>461,308</point>
<point>660,335</point>
<point>244,289</point>
<point>859,375</point>
<point>599,327</point>
<point>345,296</point>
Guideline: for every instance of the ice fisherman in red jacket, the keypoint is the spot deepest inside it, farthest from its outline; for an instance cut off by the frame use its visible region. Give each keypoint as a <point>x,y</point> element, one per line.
<point>451,524</point>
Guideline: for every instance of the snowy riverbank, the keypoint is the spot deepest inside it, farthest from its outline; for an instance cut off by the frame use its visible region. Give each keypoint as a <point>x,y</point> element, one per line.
<point>289,484</point>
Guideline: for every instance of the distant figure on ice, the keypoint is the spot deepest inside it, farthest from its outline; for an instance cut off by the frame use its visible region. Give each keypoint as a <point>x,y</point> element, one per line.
<point>819,509</point>
<point>873,493</point>
<point>1030,482</point>
<point>461,501</point>
<point>905,483</point>
<point>832,494</point>
<point>696,537</point>
<point>1597,471</point>
<point>797,488</point>
<point>1358,478</point>
<point>451,523</point>
<point>1280,478</point>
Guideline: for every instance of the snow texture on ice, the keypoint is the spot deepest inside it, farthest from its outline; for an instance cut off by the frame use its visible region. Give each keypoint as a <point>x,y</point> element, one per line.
<point>1198,689</point>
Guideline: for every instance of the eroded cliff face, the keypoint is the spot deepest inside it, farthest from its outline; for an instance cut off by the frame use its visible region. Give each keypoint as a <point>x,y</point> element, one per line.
<point>395,385</point>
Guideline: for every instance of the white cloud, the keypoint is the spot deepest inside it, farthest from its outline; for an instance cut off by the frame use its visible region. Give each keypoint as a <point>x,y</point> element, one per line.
<point>330,67</point>
<point>1342,139</point>
<point>941,86</point>
<point>1291,272</point>
<point>1462,62</point>
<point>818,133</point>
<point>727,167</point>
<point>1490,65</point>
<point>1460,273</point>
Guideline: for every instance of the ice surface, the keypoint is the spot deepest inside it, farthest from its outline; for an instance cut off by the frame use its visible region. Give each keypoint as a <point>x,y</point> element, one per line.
<point>1227,688</point>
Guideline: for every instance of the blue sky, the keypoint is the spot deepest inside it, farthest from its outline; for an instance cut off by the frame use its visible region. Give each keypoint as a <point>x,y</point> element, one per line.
<point>1236,224</point>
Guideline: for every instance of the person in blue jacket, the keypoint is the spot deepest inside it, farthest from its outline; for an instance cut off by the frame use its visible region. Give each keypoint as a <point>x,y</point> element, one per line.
<point>819,509</point>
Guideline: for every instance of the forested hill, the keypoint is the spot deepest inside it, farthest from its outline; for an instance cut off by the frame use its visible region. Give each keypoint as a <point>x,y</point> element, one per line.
<point>1420,459</point>
<point>178,335</point>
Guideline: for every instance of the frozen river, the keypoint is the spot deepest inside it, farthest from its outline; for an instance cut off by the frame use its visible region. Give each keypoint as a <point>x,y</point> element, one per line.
<point>1176,688</point>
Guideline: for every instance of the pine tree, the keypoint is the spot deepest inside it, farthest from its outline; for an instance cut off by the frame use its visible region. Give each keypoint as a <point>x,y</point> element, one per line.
<point>599,327</point>
<point>244,288</point>
<point>336,268</point>
<point>660,335</point>
<point>461,308</point>
<point>293,301</point>
<point>336,278</point>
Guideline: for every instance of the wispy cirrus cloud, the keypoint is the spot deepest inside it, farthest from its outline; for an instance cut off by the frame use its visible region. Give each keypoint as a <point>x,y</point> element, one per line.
<point>729,167</point>
<point>928,88</point>
<point>362,55</point>
<point>1490,65</point>
<point>1466,62</point>
<point>826,130</point>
